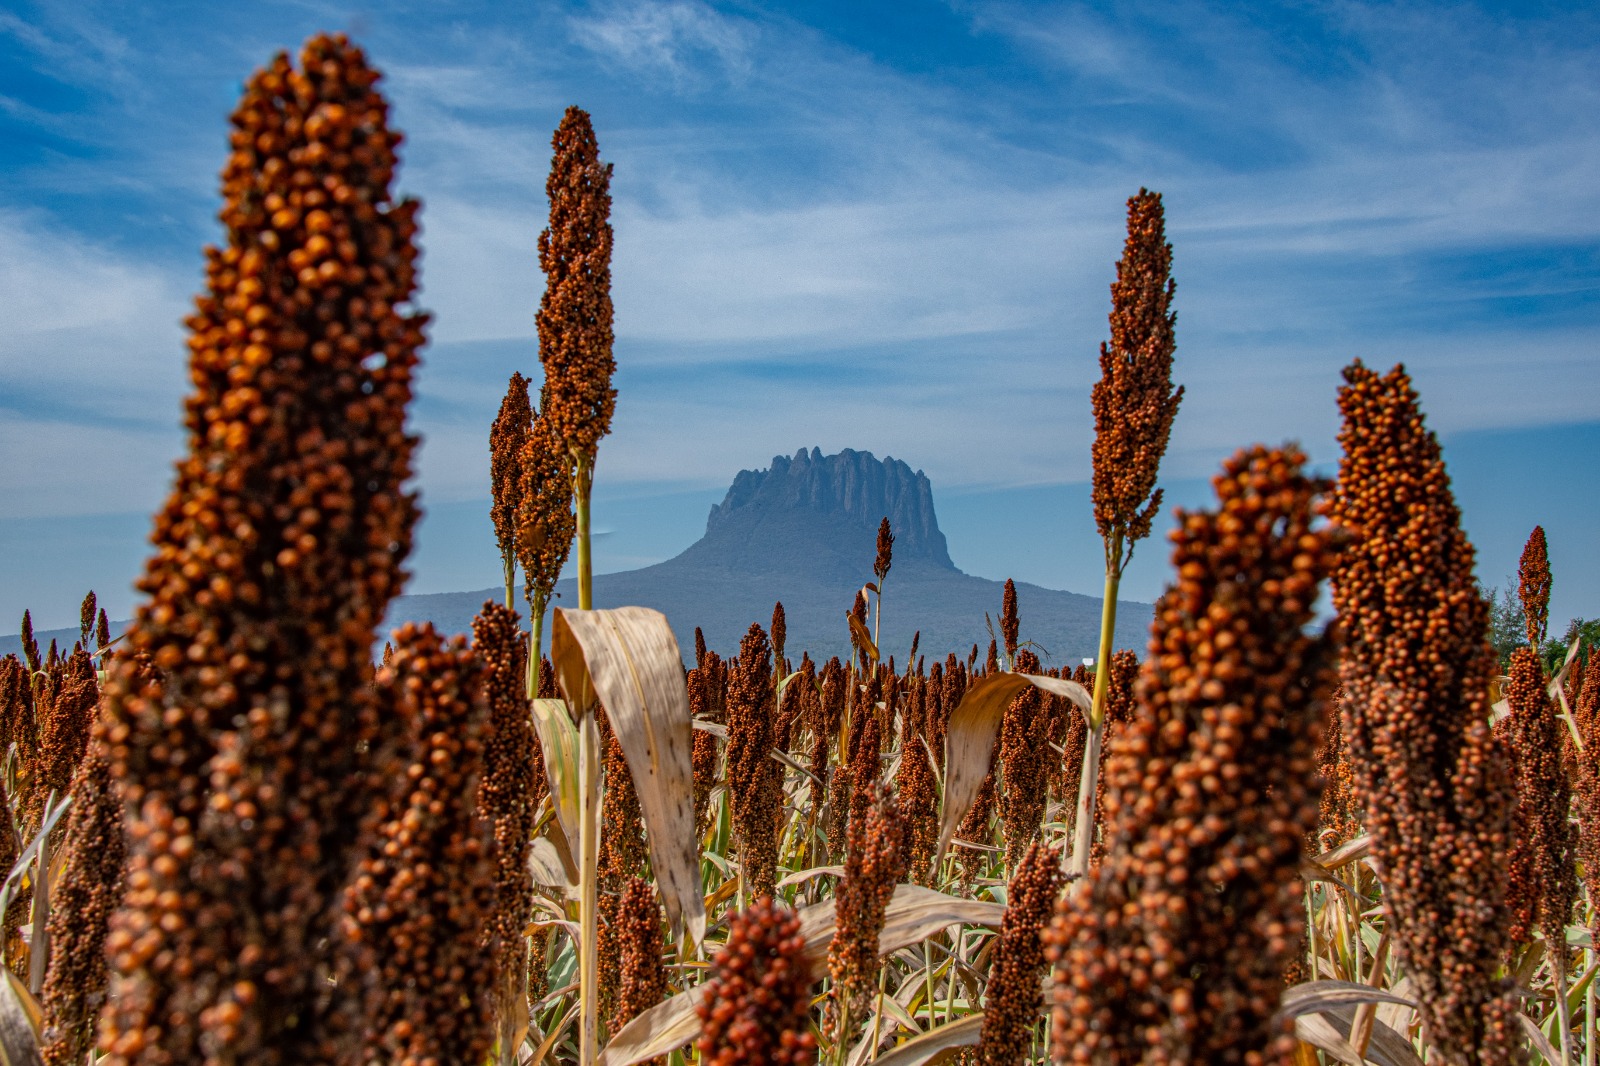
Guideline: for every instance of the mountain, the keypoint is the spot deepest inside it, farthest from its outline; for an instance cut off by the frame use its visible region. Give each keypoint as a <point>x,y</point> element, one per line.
<point>804,531</point>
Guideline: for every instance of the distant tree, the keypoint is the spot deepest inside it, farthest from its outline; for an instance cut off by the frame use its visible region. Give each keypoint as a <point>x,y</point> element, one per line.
<point>1507,624</point>
<point>1554,652</point>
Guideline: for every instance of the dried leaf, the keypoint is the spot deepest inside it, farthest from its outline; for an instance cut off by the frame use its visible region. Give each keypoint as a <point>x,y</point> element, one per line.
<point>670,1024</point>
<point>863,639</point>
<point>913,914</point>
<point>936,1045</point>
<point>558,737</point>
<point>969,747</point>
<point>19,1042</point>
<point>628,657</point>
<point>546,865</point>
<point>1387,1047</point>
<point>1541,1042</point>
<point>1321,995</point>
<point>805,875</point>
<point>1061,686</point>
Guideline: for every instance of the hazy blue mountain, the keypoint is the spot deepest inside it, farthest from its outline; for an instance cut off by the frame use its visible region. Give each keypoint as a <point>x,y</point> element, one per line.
<point>804,531</point>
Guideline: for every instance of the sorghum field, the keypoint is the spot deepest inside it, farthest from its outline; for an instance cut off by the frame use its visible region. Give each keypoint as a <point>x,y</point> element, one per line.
<point>239,837</point>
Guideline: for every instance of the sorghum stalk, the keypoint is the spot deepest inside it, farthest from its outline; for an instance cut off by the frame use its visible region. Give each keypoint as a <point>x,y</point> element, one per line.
<point>880,570</point>
<point>1134,405</point>
<point>276,557</point>
<point>80,910</point>
<point>545,528</point>
<point>1416,670</point>
<point>1012,996</point>
<point>1174,949</point>
<point>575,335</point>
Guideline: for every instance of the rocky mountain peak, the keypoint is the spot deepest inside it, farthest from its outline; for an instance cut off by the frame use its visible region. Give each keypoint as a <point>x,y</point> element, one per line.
<point>855,487</point>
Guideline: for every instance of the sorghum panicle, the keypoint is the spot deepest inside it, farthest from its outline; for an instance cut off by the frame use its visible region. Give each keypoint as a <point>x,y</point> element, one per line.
<point>81,903</point>
<point>1416,670</point>
<point>1120,705</point>
<point>275,557</point>
<point>756,1006</point>
<point>1024,758</point>
<point>1173,949</point>
<point>506,796</point>
<point>574,319</point>
<point>506,439</point>
<point>644,978</point>
<point>545,520</point>
<point>417,906</point>
<point>754,784</point>
<point>1586,781</point>
<point>704,755</point>
<point>885,556</point>
<point>780,633</point>
<point>1533,587</point>
<point>1013,995</point>
<point>1542,885</point>
<point>1010,623</point>
<point>66,717</point>
<point>86,612</point>
<point>917,790</point>
<point>1134,401</point>
<point>30,646</point>
<point>1339,819</point>
<point>875,861</point>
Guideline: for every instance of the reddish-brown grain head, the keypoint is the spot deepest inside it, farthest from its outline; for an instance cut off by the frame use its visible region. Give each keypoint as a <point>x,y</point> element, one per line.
<point>1134,401</point>
<point>575,316</point>
<point>1173,949</point>
<point>274,559</point>
<point>506,436</point>
<point>756,1007</point>
<point>1416,671</point>
<point>1533,586</point>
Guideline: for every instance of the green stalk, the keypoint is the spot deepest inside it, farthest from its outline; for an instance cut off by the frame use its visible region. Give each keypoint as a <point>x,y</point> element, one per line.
<point>589,864</point>
<point>582,485</point>
<point>509,562</point>
<point>1588,1001</point>
<point>536,640</point>
<point>1089,777</point>
<point>589,784</point>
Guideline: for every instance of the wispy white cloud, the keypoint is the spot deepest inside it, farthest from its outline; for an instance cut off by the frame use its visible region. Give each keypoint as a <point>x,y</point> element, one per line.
<point>688,42</point>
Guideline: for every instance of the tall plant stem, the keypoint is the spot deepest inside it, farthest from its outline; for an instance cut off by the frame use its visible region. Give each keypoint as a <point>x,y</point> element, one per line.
<point>1089,780</point>
<point>535,641</point>
<point>1558,966</point>
<point>589,784</point>
<point>1588,1000</point>
<point>509,562</point>
<point>589,864</point>
<point>582,486</point>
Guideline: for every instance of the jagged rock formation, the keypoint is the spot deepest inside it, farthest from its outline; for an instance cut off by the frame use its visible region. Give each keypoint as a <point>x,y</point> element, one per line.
<point>848,489</point>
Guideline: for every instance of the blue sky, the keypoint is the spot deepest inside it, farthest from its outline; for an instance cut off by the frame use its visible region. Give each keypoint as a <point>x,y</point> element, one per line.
<point>881,226</point>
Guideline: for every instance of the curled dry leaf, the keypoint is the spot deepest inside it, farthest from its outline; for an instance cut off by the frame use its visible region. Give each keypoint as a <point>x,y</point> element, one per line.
<point>935,1045</point>
<point>913,913</point>
<point>628,659</point>
<point>970,737</point>
<point>1321,995</point>
<point>558,737</point>
<point>1329,1029</point>
<point>862,638</point>
<point>19,1040</point>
